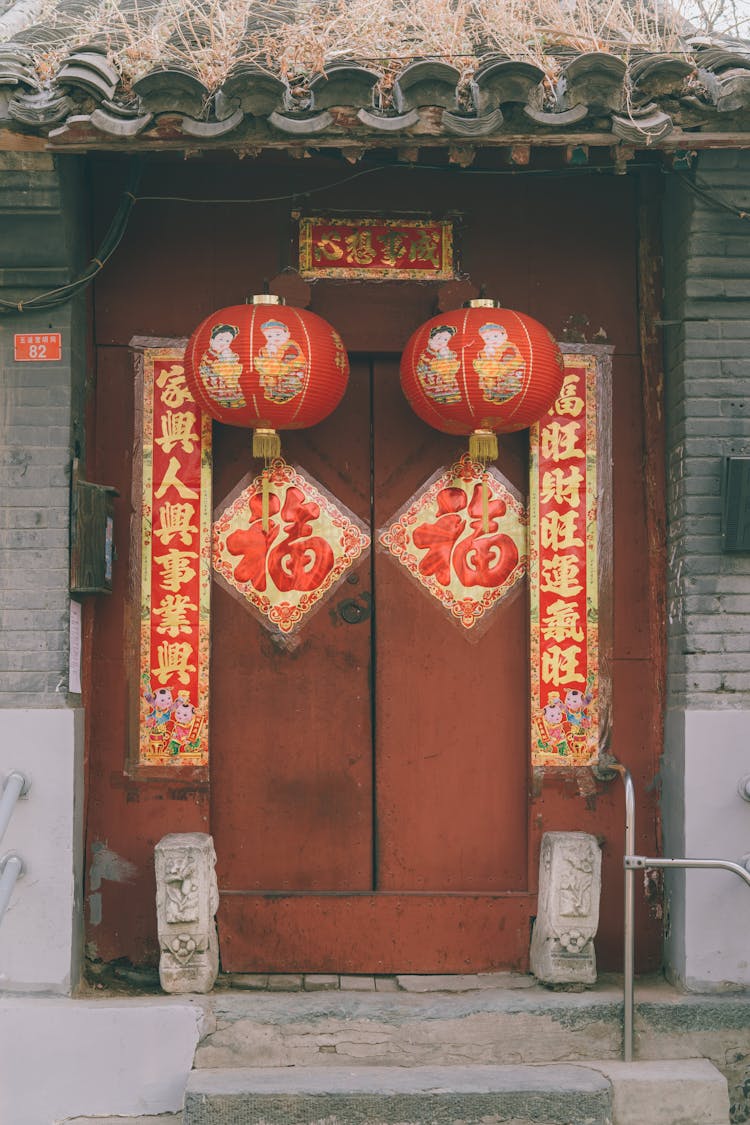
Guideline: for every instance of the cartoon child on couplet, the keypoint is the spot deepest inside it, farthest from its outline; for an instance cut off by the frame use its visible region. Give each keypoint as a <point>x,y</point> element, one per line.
<point>161,703</point>
<point>220,368</point>
<point>552,728</point>
<point>578,719</point>
<point>280,362</point>
<point>500,365</point>
<point>186,726</point>
<point>438,366</point>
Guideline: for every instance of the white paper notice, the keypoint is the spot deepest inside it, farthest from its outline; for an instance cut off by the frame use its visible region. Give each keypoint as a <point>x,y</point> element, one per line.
<point>74,667</point>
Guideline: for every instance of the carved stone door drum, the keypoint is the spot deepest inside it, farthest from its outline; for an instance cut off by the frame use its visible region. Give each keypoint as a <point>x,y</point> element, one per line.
<point>369,786</point>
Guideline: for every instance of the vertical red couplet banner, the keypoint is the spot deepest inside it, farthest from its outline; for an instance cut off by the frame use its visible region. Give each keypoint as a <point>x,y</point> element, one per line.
<point>563,573</point>
<point>175,568</point>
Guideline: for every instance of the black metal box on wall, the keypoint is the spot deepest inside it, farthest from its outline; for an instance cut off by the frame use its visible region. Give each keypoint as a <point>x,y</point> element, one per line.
<point>91,536</point>
<point>735,527</point>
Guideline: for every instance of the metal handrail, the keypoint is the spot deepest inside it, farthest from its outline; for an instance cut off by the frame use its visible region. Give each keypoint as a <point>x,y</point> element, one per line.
<point>633,863</point>
<point>16,785</point>
<point>11,870</point>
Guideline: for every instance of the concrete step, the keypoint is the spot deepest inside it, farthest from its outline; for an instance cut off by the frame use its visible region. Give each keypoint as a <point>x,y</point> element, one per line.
<point>684,1092</point>
<point>438,1095</point>
<point>481,1026</point>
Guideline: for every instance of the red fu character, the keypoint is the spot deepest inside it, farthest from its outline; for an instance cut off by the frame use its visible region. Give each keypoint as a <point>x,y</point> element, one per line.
<point>481,558</point>
<point>253,543</point>
<point>302,561</point>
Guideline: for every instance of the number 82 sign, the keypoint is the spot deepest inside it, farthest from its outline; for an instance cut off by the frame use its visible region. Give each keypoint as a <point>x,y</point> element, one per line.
<point>37,347</point>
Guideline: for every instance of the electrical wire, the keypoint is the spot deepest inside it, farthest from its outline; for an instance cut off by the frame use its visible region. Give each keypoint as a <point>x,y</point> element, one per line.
<point>708,196</point>
<point>53,298</point>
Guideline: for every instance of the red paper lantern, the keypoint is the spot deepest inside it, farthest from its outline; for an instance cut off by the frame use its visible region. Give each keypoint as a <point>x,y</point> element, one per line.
<point>481,370</point>
<point>266,367</point>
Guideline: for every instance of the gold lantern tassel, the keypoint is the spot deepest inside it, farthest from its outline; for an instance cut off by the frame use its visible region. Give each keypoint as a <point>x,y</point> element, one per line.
<point>265,492</point>
<point>266,444</point>
<point>485,504</point>
<point>483,446</point>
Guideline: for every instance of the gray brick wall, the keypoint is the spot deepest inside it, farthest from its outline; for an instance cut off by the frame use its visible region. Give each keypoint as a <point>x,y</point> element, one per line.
<point>40,424</point>
<point>707,357</point>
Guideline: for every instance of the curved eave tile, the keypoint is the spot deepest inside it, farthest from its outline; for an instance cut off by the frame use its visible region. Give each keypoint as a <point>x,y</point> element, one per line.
<point>504,81</point>
<point>473,126</point>
<point>642,130</point>
<point>384,124</point>
<point>95,61</point>
<point>429,82</point>
<point>717,59</point>
<point>12,74</point>
<point>210,130</point>
<point>343,85</point>
<point>85,79</point>
<point>116,126</point>
<point>729,91</point>
<point>563,119</point>
<point>655,75</point>
<point>40,110</point>
<point>596,79</point>
<point>171,90</point>
<point>252,91</point>
<point>301,126</point>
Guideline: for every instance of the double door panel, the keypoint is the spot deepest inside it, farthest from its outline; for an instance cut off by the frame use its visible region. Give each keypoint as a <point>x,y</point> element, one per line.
<point>369,786</point>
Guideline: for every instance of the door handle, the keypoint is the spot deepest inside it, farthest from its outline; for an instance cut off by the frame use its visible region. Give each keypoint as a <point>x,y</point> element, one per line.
<point>355,610</point>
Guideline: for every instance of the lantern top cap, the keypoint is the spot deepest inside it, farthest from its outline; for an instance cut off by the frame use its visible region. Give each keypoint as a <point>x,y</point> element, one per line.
<point>266,299</point>
<point>483,303</point>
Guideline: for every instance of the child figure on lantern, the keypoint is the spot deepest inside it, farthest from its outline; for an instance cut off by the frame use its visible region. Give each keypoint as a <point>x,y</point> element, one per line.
<point>280,362</point>
<point>438,366</point>
<point>499,365</point>
<point>220,368</point>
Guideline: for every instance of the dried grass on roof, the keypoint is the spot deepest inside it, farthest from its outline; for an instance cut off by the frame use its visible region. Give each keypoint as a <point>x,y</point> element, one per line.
<point>296,39</point>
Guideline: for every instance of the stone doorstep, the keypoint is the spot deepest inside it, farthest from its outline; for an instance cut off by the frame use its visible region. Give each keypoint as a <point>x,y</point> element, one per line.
<point>521,1095</point>
<point>332,982</point>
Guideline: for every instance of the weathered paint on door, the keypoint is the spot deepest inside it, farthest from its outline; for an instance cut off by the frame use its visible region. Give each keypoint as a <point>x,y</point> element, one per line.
<point>551,246</point>
<point>384,758</point>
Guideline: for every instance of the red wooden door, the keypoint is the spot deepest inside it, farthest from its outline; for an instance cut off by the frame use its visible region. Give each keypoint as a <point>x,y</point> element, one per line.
<point>369,787</point>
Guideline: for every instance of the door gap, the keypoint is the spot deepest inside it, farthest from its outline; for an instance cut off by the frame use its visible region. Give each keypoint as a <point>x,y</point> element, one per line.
<point>373,646</point>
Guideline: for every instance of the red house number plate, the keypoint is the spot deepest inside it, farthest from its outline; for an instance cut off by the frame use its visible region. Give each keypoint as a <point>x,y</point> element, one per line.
<point>34,347</point>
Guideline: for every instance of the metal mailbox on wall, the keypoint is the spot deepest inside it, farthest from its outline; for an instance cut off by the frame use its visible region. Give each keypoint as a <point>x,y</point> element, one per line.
<point>91,536</point>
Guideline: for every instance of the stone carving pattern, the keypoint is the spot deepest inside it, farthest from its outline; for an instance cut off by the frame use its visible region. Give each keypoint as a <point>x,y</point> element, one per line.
<point>187,898</point>
<point>562,948</point>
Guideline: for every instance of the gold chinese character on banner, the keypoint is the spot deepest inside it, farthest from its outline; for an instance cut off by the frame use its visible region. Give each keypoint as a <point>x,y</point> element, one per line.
<point>561,575</point>
<point>560,665</point>
<point>329,246</point>
<point>561,487</point>
<point>174,520</point>
<point>171,479</point>
<point>560,442</point>
<point>175,568</point>
<point>173,610</point>
<point>426,248</point>
<point>558,531</point>
<point>177,429</point>
<point>568,401</point>
<point>173,658</point>
<point>562,622</point>
<point>359,248</point>
<point>174,389</point>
